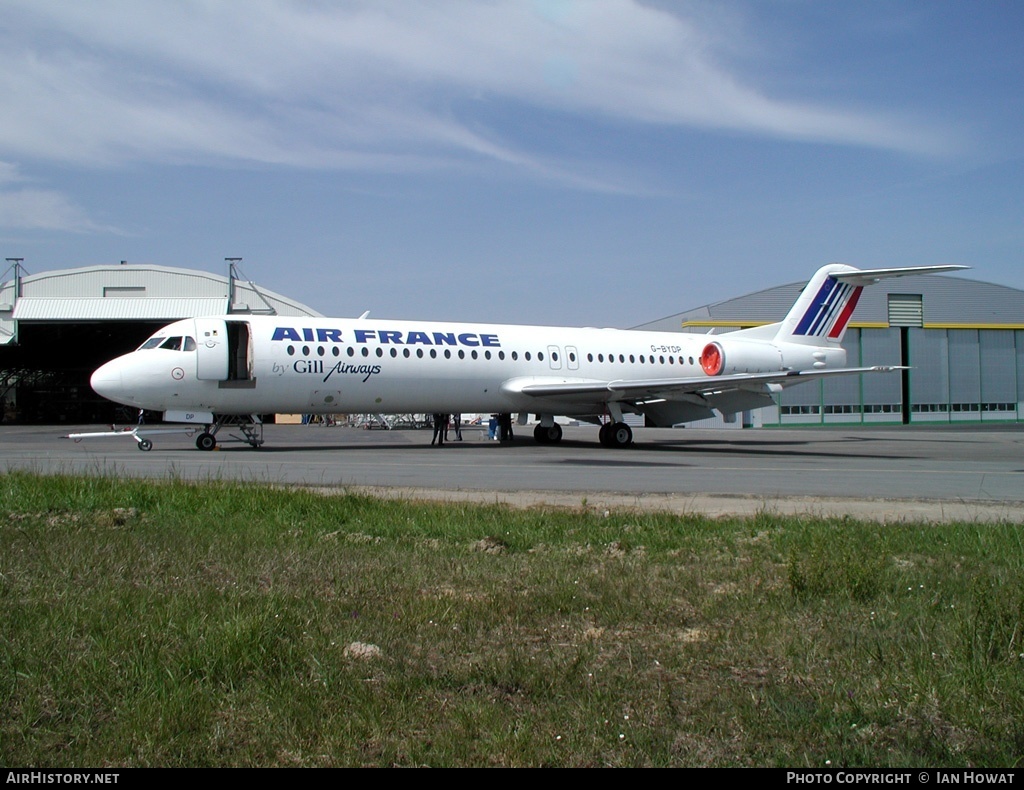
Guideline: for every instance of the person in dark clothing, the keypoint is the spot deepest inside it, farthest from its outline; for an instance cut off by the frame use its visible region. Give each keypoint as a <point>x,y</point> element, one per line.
<point>439,423</point>
<point>457,426</point>
<point>505,425</point>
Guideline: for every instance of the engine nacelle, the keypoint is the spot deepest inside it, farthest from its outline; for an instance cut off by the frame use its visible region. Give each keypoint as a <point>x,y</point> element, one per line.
<point>723,357</point>
<point>800,357</point>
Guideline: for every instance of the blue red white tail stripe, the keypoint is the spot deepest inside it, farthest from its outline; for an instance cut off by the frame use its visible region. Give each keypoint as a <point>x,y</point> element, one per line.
<point>830,310</point>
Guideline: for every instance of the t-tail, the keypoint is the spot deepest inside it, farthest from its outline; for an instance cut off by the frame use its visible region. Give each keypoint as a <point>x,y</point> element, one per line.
<point>822,313</point>
<point>809,337</point>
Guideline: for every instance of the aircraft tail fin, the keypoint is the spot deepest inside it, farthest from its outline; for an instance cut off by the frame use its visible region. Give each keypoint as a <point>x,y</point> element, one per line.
<point>823,310</point>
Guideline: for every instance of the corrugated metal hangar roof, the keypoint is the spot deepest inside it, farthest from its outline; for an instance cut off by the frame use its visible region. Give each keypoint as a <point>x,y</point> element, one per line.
<point>147,309</point>
<point>133,293</point>
<point>947,302</point>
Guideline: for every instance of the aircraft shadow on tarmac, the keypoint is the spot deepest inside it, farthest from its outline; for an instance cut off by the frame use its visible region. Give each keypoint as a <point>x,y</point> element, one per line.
<point>611,457</point>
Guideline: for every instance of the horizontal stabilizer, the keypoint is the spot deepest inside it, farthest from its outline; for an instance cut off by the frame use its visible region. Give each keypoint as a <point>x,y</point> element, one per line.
<point>871,276</point>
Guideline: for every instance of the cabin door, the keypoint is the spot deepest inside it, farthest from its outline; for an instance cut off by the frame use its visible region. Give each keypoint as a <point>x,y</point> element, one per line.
<point>224,350</point>
<point>212,349</point>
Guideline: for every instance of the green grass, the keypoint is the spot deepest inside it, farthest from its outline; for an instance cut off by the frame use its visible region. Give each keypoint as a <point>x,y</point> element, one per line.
<point>178,624</point>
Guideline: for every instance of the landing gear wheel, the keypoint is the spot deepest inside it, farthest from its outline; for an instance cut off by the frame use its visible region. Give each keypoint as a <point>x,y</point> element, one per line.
<point>616,434</point>
<point>206,441</point>
<point>620,435</point>
<point>549,434</point>
<point>145,445</point>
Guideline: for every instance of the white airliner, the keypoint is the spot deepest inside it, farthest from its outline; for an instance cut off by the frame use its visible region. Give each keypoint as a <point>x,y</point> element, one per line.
<point>230,369</point>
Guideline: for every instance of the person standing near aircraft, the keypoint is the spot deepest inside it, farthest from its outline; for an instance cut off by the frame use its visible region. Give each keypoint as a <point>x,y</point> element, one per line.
<point>457,425</point>
<point>439,423</point>
<point>505,427</point>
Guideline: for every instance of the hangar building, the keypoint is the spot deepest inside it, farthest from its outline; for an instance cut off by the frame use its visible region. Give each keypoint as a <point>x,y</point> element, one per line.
<point>963,340</point>
<point>59,326</point>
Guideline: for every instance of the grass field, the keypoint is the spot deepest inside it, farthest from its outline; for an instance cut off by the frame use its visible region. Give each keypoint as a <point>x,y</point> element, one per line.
<point>222,624</point>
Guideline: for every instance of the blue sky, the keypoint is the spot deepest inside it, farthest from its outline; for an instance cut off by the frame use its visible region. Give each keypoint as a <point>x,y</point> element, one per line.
<point>590,162</point>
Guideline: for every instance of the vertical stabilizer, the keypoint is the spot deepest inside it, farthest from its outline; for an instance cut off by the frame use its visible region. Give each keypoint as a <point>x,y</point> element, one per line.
<point>823,309</point>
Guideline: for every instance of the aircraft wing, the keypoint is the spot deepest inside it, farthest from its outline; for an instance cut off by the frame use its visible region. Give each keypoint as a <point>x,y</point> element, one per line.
<point>667,388</point>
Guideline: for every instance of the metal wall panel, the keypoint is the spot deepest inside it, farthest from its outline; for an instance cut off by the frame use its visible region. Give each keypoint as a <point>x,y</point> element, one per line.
<point>882,396</point>
<point>964,375</point>
<point>1018,336</point>
<point>998,374</point>
<point>929,375</point>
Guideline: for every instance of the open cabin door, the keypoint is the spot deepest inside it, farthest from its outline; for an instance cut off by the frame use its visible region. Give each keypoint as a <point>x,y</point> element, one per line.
<point>224,350</point>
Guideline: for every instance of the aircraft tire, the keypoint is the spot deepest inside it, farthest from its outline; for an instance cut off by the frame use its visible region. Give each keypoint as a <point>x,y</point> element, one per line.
<point>206,441</point>
<point>603,435</point>
<point>620,435</point>
<point>551,434</point>
<point>145,445</point>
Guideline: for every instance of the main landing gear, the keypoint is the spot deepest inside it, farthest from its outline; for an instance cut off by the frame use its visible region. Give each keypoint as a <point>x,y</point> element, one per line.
<point>251,427</point>
<point>615,434</point>
<point>548,434</point>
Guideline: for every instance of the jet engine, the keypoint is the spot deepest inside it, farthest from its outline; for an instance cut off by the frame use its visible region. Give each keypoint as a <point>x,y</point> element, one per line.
<point>723,357</point>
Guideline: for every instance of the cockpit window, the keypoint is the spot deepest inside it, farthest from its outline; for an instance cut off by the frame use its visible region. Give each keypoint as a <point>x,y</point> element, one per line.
<point>169,343</point>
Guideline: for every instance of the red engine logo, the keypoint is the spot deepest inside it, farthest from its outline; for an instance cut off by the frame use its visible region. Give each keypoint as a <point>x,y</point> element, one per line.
<point>712,359</point>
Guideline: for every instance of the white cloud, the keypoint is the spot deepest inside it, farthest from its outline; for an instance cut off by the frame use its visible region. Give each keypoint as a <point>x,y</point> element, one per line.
<point>381,84</point>
<point>40,209</point>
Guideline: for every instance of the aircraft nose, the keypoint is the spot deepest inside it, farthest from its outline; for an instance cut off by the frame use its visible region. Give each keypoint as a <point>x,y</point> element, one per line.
<point>106,381</point>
